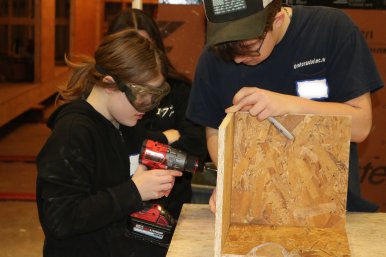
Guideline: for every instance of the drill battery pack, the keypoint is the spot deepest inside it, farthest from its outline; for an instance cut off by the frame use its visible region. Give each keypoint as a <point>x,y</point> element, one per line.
<point>154,225</point>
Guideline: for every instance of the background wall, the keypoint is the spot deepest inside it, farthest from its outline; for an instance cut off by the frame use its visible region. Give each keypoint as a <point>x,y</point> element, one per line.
<point>183,30</point>
<point>372,152</point>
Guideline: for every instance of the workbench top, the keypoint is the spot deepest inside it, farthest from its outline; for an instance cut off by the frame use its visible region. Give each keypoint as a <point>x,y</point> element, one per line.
<point>194,235</point>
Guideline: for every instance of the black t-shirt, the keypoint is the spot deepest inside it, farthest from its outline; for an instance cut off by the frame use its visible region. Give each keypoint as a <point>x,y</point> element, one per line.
<point>320,43</point>
<point>322,56</point>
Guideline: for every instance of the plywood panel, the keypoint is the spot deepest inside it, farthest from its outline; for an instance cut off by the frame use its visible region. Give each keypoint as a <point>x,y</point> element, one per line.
<point>302,182</point>
<point>224,182</point>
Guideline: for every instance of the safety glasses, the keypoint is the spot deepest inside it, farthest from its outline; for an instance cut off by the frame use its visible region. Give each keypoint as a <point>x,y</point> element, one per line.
<point>246,51</point>
<point>258,49</point>
<point>143,98</point>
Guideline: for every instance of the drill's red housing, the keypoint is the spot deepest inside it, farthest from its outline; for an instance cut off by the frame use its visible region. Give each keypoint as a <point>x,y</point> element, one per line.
<point>153,154</point>
<point>154,224</point>
<point>160,156</point>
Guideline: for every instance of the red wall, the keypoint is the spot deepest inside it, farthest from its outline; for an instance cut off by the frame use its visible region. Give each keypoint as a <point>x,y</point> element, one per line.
<point>184,28</point>
<point>85,26</point>
<point>372,152</point>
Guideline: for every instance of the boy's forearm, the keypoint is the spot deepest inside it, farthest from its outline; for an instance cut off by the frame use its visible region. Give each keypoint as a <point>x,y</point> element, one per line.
<point>358,108</point>
<point>212,143</point>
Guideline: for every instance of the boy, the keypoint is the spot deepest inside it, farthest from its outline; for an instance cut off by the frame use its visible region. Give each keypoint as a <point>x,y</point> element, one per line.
<point>270,60</point>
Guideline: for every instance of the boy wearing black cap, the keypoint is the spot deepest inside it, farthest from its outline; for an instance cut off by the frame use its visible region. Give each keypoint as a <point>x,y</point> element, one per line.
<point>270,60</point>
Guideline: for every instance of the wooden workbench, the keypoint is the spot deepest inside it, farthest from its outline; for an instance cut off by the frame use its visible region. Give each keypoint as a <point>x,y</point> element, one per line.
<point>194,235</point>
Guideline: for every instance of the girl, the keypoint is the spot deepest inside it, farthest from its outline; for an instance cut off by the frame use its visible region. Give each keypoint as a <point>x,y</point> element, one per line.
<point>168,122</point>
<point>84,189</point>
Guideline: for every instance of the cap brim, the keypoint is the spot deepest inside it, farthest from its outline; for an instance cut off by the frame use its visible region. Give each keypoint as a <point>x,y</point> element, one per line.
<point>247,28</point>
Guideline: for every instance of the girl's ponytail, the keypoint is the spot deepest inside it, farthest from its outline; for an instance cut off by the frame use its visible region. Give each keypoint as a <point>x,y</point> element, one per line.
<point>125,55</point>
<point>78,82</point>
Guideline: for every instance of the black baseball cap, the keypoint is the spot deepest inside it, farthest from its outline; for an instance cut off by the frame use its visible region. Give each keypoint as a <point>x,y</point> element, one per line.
<point>233,20</point>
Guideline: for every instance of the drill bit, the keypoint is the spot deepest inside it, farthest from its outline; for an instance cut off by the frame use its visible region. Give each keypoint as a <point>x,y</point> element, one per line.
<point>207,168</point>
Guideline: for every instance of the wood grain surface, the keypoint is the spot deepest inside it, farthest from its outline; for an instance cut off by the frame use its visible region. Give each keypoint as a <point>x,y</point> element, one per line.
<point>307,242</point>
<point>224,182</point>
<point>366,234</point>
<point>194,235</point>
<point>300,182</point>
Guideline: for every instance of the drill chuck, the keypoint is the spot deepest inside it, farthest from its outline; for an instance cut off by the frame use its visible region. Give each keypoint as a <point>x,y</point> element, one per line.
<point>194,165</point>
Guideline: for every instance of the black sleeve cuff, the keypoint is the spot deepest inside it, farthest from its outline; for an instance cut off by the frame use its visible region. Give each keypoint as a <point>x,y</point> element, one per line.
<point>128,197</point>
<point>157,136</point>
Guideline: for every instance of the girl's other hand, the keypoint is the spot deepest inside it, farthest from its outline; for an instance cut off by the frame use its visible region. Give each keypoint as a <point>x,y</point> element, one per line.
<point>172,135</point>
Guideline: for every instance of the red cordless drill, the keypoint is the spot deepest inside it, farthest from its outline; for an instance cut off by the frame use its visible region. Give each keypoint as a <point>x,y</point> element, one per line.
<point>154,224</point>
<point>160,156</point>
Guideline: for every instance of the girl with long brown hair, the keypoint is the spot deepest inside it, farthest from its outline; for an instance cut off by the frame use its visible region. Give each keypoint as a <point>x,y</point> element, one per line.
<point>168,121</point>
<point>85,191</point>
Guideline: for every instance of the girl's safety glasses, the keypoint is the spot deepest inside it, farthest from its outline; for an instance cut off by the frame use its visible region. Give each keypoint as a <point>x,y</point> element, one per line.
<point>143,98</point>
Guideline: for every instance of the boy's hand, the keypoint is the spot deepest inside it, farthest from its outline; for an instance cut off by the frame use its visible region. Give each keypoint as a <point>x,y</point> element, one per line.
<point>260,103</point>
<point>153,184</point>
<point>212,201</point>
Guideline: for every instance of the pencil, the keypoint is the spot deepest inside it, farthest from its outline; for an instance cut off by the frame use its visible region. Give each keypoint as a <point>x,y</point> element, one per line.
<point>280,128</point>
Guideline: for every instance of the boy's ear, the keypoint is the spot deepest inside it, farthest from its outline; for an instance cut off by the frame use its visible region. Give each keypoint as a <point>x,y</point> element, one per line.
<point>279,20</point>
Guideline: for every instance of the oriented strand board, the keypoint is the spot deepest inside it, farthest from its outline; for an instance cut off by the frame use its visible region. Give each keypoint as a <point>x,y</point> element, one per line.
<point>302,182</point>
<point>324,242</point>
<point>291,192</point>
<point>194,234</point>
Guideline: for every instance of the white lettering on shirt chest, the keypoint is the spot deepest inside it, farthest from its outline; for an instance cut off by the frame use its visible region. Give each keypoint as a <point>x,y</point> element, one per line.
<point>310,62</point>
<point>164,111</point>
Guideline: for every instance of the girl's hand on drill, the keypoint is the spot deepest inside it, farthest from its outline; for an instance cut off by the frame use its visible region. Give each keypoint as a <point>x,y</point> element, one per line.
<point>153,184</point>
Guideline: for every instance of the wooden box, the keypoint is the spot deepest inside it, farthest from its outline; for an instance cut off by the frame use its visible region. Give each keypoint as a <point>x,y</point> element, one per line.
<point>290,192</point>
